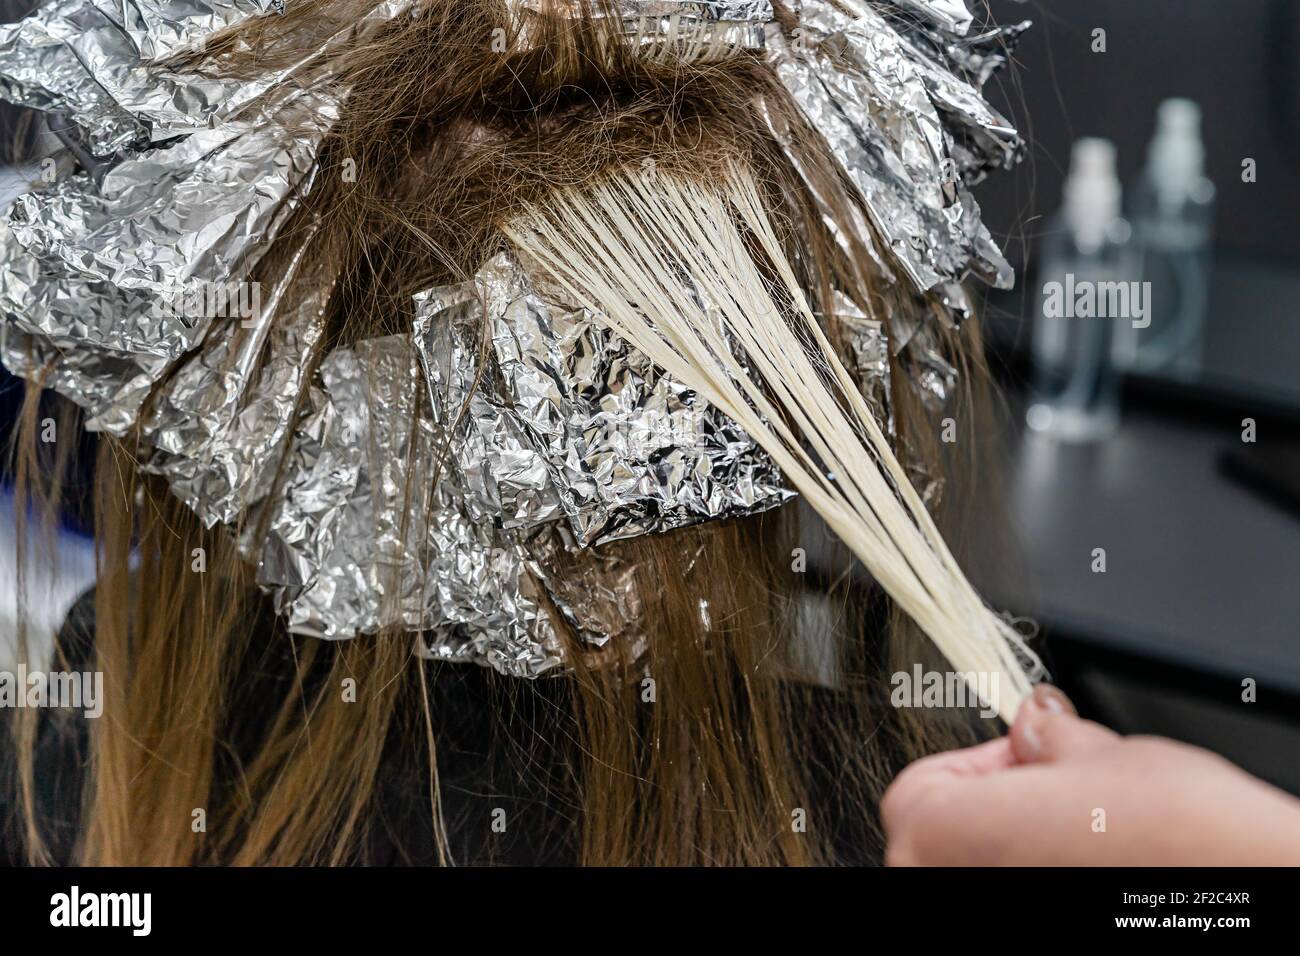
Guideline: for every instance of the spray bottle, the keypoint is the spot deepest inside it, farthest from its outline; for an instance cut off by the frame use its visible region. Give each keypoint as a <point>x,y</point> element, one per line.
<point>1173,216</point>
<point>1083,270</point>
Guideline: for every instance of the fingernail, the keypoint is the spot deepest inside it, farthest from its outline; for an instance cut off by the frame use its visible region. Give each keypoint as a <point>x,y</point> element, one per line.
<point>1052,700</point>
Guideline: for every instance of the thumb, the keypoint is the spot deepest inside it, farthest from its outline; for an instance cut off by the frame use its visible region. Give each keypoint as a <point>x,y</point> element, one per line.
<point>1047,729</point>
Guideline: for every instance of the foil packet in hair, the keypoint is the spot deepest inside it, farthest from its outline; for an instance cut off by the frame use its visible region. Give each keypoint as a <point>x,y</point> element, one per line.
<point>106,284</point>
<point>91,61</point>
<point>220,423</point>
<point>59,329</point>
<point>201,209</point>
<point>365,476</point>
<point>367,534</point>
<point>886,107</point>
<point>868,356</point>
<point>110,386</point>
<point>949,15</point>
<point>691,30</point>
<point>533,438</point>
<point>110,68</point>
<point>575,422</point>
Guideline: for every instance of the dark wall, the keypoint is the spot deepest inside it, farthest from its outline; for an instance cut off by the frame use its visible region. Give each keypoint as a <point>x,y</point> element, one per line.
<point>1238,58</point>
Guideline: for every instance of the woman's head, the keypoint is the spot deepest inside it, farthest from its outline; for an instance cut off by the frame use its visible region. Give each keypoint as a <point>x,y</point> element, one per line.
<point>688,737</point>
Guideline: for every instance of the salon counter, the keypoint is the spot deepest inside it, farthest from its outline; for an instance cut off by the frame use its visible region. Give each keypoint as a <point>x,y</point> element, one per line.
<point>1201,573</point>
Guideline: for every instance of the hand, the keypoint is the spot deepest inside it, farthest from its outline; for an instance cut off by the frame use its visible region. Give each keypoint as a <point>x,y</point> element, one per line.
<point>1063,791</point>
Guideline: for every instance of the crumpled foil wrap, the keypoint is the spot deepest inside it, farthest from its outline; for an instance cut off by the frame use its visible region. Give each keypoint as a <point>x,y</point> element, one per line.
<point>100,272</point>
<point>366,534</point>
<point>464,481</point>
<point>196,210</point>
<point>868,347</point>
<point>94,62</point>
<point>363,535</point>
<point>950,15</point>
<point>104,65</point>
<point>504,472</point>
<point>220,422</point>
<point>102,277</point>
<point>885,105</point>
<point>695,30</point>
<point>571,421</point>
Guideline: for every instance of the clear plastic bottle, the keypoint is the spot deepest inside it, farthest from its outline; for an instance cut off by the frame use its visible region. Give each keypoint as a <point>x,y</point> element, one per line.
<point>1076,392</point>
<point>1173,219</point>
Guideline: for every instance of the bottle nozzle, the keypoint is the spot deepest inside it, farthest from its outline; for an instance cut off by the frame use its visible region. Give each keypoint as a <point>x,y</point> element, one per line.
<point>1176,157</point>
<point>1092,191</point>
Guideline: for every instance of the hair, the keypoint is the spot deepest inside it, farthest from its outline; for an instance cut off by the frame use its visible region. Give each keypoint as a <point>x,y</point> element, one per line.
<point>450,144</point>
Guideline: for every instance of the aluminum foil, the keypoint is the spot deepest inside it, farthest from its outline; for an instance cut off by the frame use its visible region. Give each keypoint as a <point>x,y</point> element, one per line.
<point>573,420</point>
<point>857,225</point>
<point>699,30</point>
<point>884,108</point>
<point>99,281</point>
<point>163,28</point>
<point>868,354</point>
<point>501,469</point>
<point>75,357</point>
<point>930,374</point>
<point>110,386</point>
<point>362,481</point>
<point>88,59</point>
<point>598,593</point>
<point>465,481</point>
<point>202,209</point>
<point>102,65</point>
<point>508,461</point>
<point>954,72</point>
<point>219,425</point>
<point>169,102</point>
<point>979,57</point>
<point>950,15</point>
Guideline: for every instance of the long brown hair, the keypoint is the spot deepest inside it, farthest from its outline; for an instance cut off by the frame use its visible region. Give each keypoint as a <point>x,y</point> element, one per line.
<point>726,756</point>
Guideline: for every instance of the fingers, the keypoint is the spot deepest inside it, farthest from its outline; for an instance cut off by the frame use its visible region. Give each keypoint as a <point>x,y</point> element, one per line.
<point>964,805</point>
<point>968,761</point>
<point>1047,729</point>
<point>1052,699</point>
<point>939,770</point>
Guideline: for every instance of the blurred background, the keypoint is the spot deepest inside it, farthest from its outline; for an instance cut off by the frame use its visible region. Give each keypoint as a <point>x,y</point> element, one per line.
<point>1148,513</point>
<point>1172,449</point>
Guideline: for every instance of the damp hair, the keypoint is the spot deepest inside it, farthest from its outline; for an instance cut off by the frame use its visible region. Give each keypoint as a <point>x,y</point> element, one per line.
<point>451,145</point>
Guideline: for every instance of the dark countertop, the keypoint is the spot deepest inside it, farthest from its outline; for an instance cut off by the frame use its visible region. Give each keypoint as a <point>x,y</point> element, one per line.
<point>1201,573</point>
